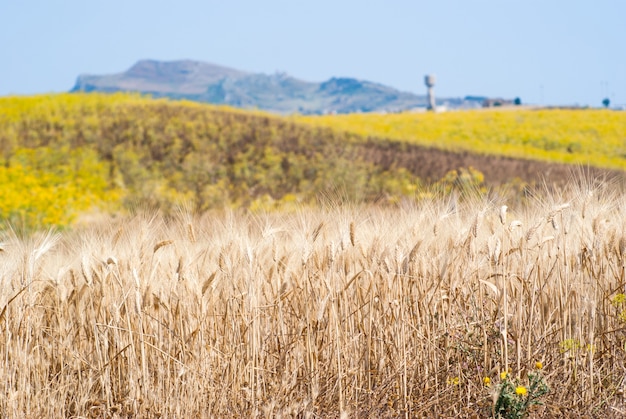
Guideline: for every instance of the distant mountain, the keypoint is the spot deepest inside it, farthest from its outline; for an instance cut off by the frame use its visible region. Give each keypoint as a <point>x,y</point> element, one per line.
<point>278,92</point>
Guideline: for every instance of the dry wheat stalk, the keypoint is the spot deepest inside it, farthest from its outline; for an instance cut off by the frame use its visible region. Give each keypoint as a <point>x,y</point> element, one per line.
<point>400,322</point>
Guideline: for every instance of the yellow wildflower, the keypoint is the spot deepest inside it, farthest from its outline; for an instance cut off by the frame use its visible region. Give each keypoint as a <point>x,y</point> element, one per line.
<point>539,365</point>
<point>487,381</point>
<point>618,299</point>
<point>521,390</point>
<point>503,375</point>
<point>454,381</point>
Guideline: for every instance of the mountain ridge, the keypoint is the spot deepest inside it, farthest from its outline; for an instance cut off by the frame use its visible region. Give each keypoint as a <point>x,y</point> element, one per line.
<point>279,92</point>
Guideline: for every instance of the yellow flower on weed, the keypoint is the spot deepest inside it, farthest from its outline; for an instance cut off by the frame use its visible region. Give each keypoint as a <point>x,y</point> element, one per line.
<point>521,390</point>
<point>454,381</point>
<point>618,299</point>
<point>539,365</point>
<point>487,381</point>
<point>503,375</point>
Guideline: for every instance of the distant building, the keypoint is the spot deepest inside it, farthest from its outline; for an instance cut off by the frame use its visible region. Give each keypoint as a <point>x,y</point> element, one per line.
<point>497,102</point>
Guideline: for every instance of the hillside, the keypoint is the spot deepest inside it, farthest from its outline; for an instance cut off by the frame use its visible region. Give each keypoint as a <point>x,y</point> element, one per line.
<point>590,137</point>
<point>82,152</point>
<point>78,153</point>
<point>278,92</point>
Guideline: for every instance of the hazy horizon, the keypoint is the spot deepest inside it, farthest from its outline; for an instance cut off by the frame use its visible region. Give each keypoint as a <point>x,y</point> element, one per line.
<point>556,53</point>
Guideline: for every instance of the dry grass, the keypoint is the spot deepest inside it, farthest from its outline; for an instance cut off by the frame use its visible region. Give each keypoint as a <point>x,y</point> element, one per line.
<point>351,312</point>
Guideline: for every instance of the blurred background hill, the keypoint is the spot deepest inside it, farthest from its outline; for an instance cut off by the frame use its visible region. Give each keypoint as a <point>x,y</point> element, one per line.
<point>278,92</point>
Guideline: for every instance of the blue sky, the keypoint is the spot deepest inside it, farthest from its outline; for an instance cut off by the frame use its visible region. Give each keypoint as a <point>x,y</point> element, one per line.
<point>545,52</point>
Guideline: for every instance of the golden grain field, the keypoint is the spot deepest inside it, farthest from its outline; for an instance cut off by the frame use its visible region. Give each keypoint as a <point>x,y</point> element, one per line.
<point>431,309</point>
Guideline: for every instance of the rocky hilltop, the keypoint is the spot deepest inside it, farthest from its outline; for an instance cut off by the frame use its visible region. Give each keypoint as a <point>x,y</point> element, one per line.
<point>279,92</point>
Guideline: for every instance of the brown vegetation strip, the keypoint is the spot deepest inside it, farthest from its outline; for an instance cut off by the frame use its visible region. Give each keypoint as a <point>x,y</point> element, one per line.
<point>432,164</point>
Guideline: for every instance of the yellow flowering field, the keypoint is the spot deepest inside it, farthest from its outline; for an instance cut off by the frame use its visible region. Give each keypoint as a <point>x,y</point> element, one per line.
<point>44,187</point>
<point>65,154</point>
<point>62,155</point>
<point>583,136</point>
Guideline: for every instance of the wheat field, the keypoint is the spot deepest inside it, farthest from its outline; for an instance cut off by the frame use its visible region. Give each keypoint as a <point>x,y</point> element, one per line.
<point>417,310</point>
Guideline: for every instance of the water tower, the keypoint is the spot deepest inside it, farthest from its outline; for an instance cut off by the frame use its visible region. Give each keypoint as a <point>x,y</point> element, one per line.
<point>429,80</point>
